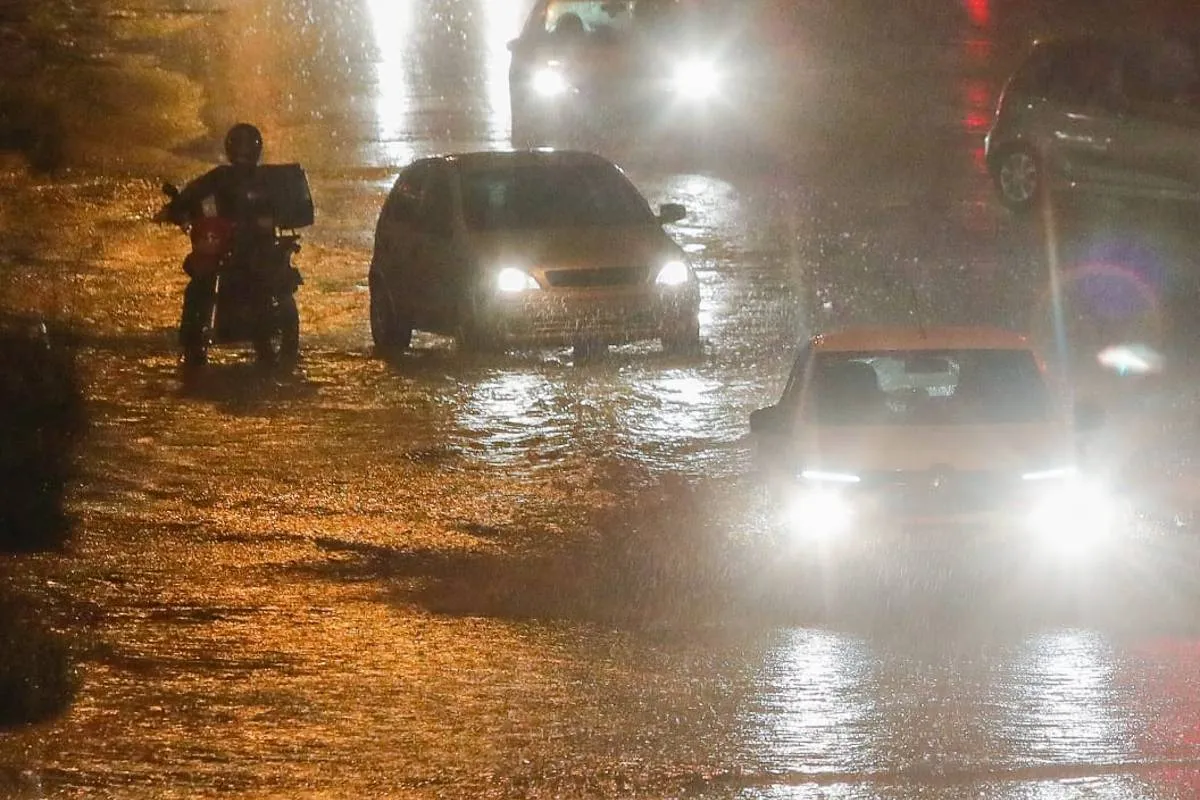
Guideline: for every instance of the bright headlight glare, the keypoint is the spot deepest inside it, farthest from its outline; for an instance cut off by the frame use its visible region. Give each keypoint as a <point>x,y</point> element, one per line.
<point>819,514</point>
<point>511,279</point>
<point>1074,515</point>
<point>673,273</point>
<point>696,79</point>
<point>822,476</point>
<point>549,82</point>
<point>1056,473</point>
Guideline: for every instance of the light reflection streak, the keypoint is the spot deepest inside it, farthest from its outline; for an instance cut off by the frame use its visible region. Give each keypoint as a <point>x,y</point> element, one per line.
<point>1061,701</point>
<point>815,703</point>
<point>501,22</point>
<point>511,414</point>
<point>393,27</point>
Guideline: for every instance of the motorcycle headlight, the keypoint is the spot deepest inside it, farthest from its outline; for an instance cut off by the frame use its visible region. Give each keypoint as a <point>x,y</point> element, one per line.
<point>696,79</point>
<point>673,273</point>
<point>549,82</point>
<point>1073,515</point>
<point>510,280</point>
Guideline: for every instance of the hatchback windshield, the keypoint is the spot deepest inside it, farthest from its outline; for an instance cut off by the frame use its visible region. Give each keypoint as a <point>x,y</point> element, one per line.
<point>928,387</point>
<point>552,196</point>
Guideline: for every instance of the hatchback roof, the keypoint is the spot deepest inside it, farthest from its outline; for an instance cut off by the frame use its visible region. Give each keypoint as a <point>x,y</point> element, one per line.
<point>974,337</point>
<point>490,159</point>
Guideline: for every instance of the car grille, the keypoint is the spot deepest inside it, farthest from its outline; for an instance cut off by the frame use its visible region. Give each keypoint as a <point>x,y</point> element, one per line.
<point>937,492</point>
<point>596,277</point>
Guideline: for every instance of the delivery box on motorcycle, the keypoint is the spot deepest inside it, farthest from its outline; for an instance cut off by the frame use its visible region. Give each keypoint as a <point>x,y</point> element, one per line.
<point>291,199</point>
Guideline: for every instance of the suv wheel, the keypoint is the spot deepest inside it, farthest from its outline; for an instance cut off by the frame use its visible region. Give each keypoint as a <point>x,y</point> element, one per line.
<point>1019,179</point>
<point>390,330</point>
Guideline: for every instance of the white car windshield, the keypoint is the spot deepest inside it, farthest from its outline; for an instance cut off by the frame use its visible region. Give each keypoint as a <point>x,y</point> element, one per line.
<point>552,196</point>
<point>927,387</point>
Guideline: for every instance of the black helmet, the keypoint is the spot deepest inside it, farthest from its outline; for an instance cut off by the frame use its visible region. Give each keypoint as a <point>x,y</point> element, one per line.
<point>243,144</point>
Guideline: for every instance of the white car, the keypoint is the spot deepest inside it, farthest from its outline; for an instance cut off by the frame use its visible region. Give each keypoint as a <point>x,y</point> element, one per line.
<point>528,248</point>
<point>883,431</point>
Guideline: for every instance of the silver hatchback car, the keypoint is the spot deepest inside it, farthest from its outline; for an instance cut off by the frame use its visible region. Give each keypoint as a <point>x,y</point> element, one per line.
<point>1099,115</point>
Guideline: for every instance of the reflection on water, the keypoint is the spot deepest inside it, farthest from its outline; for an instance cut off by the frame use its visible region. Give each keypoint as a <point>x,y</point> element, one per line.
<point>1060,703</point>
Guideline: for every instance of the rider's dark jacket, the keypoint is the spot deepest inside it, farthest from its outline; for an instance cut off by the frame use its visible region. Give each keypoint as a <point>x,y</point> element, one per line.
<point>234,192</point>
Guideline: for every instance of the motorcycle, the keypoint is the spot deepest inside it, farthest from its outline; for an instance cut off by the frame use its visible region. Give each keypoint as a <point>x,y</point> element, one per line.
<point>255,290</point>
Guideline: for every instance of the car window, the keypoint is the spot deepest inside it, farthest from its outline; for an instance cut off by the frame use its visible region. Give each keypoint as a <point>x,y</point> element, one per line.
<point>403,203</point>
<point>1087,75</point>
<point>552,195</point>
<point>1164,71</point>
<point>437,205</point>
<point>936,387</point>
<point>589,17</point>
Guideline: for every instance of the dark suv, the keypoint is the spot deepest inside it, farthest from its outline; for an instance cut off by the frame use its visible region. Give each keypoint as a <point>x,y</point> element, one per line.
<point>1097,114</point>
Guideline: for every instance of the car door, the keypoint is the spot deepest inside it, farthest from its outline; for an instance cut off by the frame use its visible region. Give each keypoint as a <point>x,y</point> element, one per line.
<point>397,235</point>
<point>1083,114</point>
<point>438,257</point>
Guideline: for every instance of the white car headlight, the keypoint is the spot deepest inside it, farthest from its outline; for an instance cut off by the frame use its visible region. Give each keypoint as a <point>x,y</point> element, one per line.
<point>511,279</point>
<point>1073,515</point>
<point>819,514</point>
<point>696,79</point>
<point>549,82</point>
<point>673,273</point>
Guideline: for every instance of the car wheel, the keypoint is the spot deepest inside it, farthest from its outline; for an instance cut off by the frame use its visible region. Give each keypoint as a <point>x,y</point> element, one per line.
<point>1019,178</point>
<point>469,335</point>
<point>684,341</point>
<point>390,330</point>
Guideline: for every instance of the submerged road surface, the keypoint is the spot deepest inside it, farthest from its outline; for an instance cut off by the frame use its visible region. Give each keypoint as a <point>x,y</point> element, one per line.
<point>532,575</point>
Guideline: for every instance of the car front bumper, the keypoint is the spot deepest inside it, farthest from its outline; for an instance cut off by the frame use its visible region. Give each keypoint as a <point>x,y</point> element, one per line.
<point>549,318</point>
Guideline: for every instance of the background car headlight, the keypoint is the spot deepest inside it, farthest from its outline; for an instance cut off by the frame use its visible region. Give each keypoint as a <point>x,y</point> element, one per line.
<point>511,279</point>
<point>673,273</point>
<point>549,82</point>
<point>1073,515</point>
<point>696,79</point>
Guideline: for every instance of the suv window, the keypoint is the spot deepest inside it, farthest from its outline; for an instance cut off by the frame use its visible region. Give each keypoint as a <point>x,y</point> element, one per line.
<point>1086,74</point>
<point>403,203</point>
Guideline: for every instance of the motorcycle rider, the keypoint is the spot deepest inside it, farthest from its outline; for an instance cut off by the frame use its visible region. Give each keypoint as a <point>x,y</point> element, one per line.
<point>233,192</point>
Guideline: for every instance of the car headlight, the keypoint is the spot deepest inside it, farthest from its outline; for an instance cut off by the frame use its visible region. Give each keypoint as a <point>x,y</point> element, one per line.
<point>696,79</point>
<point>673,273</point>
<point>819,514</point>
<point>549,82</point>
<point>510,280</point>
<point>1073,515</point>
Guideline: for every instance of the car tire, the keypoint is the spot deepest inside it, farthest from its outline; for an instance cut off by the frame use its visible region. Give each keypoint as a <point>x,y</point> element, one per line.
<point>390,330</point>
<point>683,342</point>
<point>1019,178</point>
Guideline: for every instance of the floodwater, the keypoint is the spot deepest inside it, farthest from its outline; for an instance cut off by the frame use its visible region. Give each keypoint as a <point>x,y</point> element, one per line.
<point>535,575</point>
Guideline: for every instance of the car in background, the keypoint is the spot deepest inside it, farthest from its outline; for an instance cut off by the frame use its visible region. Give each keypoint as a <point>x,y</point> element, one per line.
<point>528,248</point>
<point>890,434</point>
<point>680,68</point>
<point>1117,116</point>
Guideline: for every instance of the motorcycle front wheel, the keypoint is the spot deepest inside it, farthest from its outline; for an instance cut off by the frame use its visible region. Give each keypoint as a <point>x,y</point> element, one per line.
<point>282,342</point>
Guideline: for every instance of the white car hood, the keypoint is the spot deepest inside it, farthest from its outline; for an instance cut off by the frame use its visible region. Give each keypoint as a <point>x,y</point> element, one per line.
<point>1019,448</point>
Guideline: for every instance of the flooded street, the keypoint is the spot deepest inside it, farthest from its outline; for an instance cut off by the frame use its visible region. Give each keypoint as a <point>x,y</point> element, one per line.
<point>535,574</point>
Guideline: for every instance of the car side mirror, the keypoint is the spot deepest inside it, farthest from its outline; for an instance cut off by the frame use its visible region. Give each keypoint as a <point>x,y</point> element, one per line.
<point>671,212</point>
<point>513,44</point>
<point>170,191</point>
<point>1089,416</point>
<point>767,420</point>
